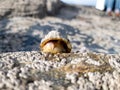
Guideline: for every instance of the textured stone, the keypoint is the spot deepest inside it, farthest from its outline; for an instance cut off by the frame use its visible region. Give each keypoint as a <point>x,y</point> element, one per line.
<point>26,69</point>
<point>32,70</point>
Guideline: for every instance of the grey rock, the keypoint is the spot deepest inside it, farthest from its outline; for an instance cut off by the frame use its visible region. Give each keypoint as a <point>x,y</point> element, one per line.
<point>26,69</point>
<point>27,72</point>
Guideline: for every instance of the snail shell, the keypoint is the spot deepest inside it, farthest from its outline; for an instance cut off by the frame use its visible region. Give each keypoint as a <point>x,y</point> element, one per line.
<point>55,42</point>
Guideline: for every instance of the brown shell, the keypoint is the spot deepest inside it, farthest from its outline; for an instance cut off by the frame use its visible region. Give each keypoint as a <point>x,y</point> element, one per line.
<point>55,35</point>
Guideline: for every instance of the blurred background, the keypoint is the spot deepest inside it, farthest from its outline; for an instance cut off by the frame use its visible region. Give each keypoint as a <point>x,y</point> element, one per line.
<point>81,2</point>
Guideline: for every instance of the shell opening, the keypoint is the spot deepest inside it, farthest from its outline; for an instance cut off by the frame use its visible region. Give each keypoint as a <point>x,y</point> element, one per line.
<point>60,42</point>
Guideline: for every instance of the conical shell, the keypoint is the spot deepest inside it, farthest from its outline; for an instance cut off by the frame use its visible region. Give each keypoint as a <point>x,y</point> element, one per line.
<point>55,35</point>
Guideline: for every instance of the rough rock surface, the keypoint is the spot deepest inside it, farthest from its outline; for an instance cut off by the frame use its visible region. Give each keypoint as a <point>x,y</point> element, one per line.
<point>35,8</point>
<point>74,71</point>
<point>88,30</point>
